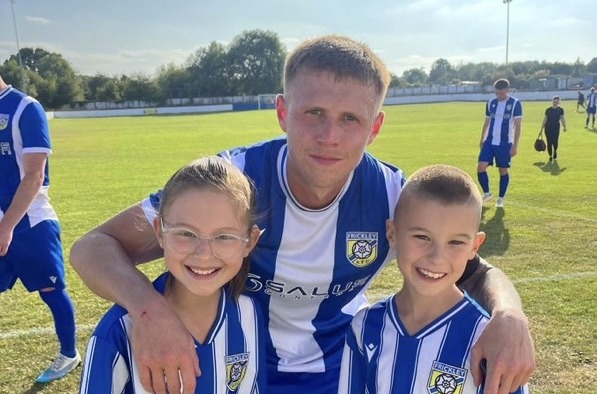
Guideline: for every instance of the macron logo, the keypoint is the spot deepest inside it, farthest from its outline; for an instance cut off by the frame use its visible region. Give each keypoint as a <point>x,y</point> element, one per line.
<point>370,349</point>
<point>53,279</point>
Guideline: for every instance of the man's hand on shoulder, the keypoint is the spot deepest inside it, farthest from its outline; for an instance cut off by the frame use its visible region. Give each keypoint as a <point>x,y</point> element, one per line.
<point>507,347</point>
<point>164,350</point>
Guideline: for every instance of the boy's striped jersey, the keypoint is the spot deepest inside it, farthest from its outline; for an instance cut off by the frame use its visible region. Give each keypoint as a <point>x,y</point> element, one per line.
<point>380,356</point>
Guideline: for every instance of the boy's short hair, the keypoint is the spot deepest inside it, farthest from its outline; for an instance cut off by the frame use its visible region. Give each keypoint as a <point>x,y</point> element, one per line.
<point>555,98</point>
<point>501,83</point>
<point>443,183</point>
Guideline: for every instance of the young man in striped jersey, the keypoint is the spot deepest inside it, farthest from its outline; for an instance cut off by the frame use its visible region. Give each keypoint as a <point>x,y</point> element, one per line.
<point>323,202</point>
<point>499,139</point>
<point>420,339</point>
<point>30,246</point>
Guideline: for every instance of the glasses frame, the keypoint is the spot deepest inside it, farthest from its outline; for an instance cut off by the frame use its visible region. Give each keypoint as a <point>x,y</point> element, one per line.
<point>169,229</point>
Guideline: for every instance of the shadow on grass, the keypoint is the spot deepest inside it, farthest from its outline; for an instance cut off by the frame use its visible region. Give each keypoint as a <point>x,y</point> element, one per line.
<point>550,167</point>
<point>497,239</point>
<point>36,388</point>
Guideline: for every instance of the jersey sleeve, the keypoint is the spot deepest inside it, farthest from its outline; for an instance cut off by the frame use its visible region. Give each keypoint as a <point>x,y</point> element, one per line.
<point>354,363</point>
<point>105,370</point>
<point>517,113</point>
<point>34,129</point>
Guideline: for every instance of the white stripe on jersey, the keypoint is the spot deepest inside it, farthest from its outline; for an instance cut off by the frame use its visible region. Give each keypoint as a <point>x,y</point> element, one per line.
<point>497,122</point>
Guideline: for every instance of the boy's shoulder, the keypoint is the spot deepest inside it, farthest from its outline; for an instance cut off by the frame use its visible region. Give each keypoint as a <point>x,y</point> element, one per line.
<point>373,314</point>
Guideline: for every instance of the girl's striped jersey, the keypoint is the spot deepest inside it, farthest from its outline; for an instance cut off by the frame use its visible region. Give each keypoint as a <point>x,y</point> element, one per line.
<point>232,358</point>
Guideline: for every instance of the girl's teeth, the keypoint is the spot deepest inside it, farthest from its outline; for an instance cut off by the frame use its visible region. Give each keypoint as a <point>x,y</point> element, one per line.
<point>202,272</point>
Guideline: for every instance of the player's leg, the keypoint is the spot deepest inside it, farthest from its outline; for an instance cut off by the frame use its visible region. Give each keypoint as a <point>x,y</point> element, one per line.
<point>502,161</point>
<point>44,272</point>
<point>485,159</point>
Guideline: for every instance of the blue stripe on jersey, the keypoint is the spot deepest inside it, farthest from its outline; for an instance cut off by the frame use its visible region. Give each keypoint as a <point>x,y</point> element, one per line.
<point>456,344</point>
<point>502,114</point>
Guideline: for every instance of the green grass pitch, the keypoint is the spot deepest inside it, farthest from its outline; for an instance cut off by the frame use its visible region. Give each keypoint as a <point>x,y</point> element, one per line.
<point>545,240</point>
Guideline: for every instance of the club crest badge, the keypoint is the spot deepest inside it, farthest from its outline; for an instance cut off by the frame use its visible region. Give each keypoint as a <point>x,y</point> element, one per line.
<point>236,368</point>
<point>446,379</point>
<point>3,121</point>
<point>361,248</point>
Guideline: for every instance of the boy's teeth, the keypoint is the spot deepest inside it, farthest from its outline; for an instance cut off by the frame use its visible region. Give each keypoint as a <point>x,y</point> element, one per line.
<point>430,274</point>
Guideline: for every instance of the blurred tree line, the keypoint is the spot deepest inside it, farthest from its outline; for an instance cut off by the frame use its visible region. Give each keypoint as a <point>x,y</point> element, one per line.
<point>251,64</point>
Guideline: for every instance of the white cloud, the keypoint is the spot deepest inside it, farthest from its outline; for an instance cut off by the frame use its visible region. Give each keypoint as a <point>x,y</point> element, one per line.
<point>38,20</point>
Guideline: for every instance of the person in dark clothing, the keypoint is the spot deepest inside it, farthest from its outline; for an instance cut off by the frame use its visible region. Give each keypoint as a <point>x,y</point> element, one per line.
<point>554,115</point>
<point>581,101</point>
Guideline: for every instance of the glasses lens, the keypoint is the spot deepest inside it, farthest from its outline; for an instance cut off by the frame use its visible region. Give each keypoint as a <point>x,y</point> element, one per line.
<point>226,245</point>
<point>182,240</point>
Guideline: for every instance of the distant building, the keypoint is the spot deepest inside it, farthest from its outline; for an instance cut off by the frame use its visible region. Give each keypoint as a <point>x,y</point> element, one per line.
<point>590,80</point>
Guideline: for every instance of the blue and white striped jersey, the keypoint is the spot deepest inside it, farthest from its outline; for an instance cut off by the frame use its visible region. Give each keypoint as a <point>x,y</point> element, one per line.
<point>502,115</point>
<point>592,100</point>
<point>381,357</point>
<point>232,358</point>
<point>310,268</point>
<point>23,129</point>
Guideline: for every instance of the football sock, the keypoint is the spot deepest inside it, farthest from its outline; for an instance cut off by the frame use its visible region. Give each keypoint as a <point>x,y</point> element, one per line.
<point>483,181</point>
<point>63,311</point>
<point>504,181</point>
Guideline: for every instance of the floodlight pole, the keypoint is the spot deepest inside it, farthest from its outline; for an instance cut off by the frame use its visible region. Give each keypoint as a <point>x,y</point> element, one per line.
<point>507,2</point>
<point>14,22</point>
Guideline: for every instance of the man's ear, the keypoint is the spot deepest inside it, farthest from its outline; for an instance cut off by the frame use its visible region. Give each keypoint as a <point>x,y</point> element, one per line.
<point>376,126</point>
<point>281,111</point>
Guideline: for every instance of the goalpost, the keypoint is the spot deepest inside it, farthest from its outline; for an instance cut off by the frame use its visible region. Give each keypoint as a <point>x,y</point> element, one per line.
<point>266,101</point>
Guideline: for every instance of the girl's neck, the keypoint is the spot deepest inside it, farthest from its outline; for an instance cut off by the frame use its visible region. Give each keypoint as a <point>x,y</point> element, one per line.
<point>198,314</point>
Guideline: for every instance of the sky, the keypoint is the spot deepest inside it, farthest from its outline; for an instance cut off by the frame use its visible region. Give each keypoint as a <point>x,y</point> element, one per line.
<point>137,37</point>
